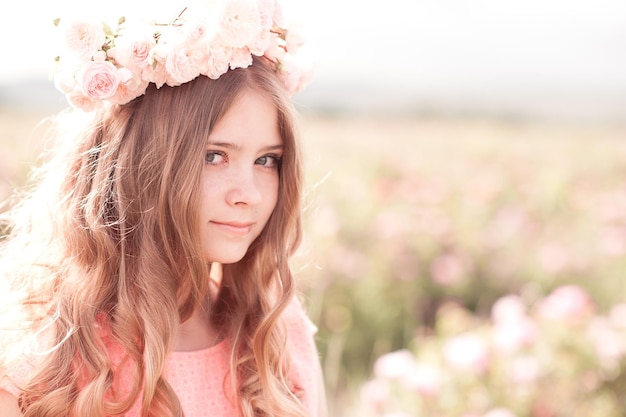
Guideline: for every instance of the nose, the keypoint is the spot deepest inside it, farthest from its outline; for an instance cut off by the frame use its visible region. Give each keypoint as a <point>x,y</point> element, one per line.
<point>243,188</point>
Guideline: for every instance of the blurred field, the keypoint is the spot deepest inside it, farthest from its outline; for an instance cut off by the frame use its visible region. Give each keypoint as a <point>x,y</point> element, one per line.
<point>405,216</point>
<point>409,215</point>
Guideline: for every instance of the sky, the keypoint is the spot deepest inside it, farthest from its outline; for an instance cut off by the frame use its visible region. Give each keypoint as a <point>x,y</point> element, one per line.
<point>560,51</point>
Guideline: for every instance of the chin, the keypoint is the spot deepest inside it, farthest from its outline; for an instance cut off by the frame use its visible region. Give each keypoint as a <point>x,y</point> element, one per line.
<point>225,258</point>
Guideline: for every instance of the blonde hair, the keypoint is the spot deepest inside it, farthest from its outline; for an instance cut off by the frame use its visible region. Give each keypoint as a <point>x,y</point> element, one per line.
<point>111,231</point>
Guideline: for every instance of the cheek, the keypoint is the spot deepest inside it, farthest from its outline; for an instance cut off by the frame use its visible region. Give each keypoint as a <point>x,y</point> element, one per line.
<point>213,187</point>
<point>272,194</point>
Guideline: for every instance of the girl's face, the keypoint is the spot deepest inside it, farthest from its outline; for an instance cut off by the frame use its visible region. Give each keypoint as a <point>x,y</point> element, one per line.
<point>240,178</point>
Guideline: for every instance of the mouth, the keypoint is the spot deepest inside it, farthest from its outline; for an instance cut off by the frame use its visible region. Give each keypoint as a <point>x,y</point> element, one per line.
<point>239,228</point>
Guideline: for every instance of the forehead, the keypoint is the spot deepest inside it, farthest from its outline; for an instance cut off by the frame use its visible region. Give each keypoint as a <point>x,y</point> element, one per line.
<point>252,118</point>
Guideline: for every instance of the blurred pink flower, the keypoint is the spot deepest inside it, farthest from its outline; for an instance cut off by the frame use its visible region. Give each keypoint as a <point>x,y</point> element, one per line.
<point>425,378</point>
<point>484,187</point>
<point>508,308</point>
<point>524,370</point>
<point>609,343</point>
<point>568,303</point>
<point>391,223</point>
<point>449,269</point>
<point>618,316</point>
<point>467,352</point>
<point>508,223</point>
<point>613,240</point>
<point>374,393</point>
<point>394,365</point>
<point>435,223</point>
<point>348,262</point>
<point>499,412</point>
<point>510,336</point>
<point>512,328</point>
<point>553,257</point>
<point>325,221</point>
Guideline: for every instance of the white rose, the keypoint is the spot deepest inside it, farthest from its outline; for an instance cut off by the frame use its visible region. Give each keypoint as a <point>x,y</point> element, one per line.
<point>241,23</point>
<point>83,38</point>
<point>218,61</point>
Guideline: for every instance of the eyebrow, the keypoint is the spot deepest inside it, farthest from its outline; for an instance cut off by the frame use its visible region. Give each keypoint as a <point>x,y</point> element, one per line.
<point>235,147</point>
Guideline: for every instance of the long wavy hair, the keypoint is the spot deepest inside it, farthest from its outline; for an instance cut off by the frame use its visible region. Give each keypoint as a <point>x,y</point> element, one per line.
<point>111,230</point>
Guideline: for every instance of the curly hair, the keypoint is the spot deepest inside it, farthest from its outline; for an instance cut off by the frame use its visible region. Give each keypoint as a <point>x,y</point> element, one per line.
<point>111,231</point>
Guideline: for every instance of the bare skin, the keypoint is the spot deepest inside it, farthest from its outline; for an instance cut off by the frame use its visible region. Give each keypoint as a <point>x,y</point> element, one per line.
<point>8,405</point>
<point>198,332</point>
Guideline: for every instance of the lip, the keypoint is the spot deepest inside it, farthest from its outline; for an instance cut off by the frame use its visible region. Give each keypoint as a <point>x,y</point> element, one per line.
<point>239,228</point>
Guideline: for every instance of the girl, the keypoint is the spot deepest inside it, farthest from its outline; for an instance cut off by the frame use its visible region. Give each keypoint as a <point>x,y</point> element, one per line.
<point>148,269</point>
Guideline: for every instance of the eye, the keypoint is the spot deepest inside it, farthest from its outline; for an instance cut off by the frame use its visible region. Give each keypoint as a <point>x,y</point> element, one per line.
<point>214,158</point>
<point>268,161</point>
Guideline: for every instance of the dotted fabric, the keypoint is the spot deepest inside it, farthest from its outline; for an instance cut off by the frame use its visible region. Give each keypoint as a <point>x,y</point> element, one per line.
<point>198,377</point>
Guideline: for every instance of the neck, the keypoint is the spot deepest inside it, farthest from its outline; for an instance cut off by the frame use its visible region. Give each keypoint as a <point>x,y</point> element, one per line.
<point>198,332</point>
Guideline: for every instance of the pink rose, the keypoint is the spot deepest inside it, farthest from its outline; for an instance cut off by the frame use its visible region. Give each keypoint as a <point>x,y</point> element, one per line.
<point>79,101</point>
<point>305,76</point>
<point>133,55</point>
<point>155,72</point>
<point>99,80</point>
<point>84,38</point>
<point>218,61</point>
<point>262,43</point>
<point>64,81</point>
<point>291,77</point>
<point>133,46</point>
<point>279,17</point>
<point>241,58</point>
<point>130,86</point>
<point>199,31</point>
<point>183,65</point>
<point>275,50</point>
<point>266,12</point>
<point>295,39</point>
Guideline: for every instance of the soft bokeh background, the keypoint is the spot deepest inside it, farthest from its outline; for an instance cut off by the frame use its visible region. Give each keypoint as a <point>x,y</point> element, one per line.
<point>466,210</point>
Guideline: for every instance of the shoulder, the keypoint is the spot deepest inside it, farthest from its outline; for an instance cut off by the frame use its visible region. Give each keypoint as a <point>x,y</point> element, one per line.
<point>8,405</point>
<point>297,320</point>
<point>305,372</point>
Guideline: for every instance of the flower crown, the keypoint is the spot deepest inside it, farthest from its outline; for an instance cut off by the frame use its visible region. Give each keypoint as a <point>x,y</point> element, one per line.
<point>101,64</point>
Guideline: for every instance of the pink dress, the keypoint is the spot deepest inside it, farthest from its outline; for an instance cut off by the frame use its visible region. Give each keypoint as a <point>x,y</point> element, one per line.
<point>198,377</point>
